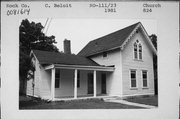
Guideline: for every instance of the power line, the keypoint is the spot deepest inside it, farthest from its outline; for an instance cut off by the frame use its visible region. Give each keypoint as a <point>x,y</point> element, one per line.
<point>48,25</point>
<point>45,24</point>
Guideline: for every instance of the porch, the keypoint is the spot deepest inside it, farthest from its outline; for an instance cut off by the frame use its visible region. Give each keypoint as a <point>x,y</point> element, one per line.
<point>69,82</point>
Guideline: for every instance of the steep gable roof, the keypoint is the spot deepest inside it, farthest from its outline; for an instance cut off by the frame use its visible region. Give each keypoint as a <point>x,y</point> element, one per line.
<point>46,57</point>
<point>111,41</point>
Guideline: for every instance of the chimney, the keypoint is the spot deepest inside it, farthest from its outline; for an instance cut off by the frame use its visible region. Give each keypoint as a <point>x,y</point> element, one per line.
<point>67,46</point>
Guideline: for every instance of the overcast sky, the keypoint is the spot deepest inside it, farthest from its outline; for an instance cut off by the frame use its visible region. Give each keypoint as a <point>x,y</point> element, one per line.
<point>81,31</point>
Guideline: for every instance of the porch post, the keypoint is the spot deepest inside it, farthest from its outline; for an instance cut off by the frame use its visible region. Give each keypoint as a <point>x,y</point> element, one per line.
<point>52,83</point>
<point>94,83</point>
<point>75,83</point>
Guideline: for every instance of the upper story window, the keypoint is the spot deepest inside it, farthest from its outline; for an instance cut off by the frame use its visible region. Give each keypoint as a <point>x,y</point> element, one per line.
<point>104,54</point>
<point>137,50</point>
<point>140,52</point>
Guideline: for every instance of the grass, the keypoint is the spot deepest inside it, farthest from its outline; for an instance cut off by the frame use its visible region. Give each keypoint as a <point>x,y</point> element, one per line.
<point>73,104</point>
<point>148,100</point>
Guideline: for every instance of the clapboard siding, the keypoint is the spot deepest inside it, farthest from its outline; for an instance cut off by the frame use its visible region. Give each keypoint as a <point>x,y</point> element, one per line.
<point>129,63</point>
<point>36,90</point>
<point>37,79</point>
<point>45,83</point>
<point>113,79</point>
<point>29,89</point>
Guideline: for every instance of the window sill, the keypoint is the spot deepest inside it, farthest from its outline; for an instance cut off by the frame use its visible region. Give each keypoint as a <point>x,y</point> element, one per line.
<point>138,60</point>
<point>135,88</point>
<point>145,88</point>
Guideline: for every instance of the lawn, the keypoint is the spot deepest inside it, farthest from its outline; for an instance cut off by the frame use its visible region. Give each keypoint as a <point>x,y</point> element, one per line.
<point>148,100</point>
<point>30,103</point>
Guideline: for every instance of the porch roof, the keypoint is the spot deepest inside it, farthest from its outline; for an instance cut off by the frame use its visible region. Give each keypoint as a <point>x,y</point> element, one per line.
<point>80,67</point>
<point>47,58</point>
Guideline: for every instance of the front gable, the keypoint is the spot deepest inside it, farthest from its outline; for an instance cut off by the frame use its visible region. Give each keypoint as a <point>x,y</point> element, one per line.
<point>115,40</point>
<point>140,29</point>
<point>129,63</point>
<point>139,39</point>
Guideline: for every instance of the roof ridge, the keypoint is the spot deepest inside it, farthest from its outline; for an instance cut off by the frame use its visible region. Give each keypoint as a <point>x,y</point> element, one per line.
<point>109,41</point>
<point>62,53</point>
<point>52,52</point>
<point>116,31</point>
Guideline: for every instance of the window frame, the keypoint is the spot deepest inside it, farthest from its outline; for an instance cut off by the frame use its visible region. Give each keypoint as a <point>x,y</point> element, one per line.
<point>104,54</point>
<point>133,79</point>
<point>144,79</point>
<point>135,52</point>
<point>57,85</point>
<point>78,79</point>
<point>140,51</point>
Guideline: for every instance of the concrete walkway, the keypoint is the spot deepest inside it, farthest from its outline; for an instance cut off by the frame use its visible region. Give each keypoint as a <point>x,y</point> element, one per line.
<point>117,100</point>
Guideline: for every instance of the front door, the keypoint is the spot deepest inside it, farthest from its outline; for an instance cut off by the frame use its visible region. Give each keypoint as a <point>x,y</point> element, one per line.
<point>90,83</point>
<point>103,83</point>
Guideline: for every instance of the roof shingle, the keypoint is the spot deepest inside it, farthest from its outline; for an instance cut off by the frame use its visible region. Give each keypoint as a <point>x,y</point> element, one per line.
<point>46,57</point>
<point>107,42</point>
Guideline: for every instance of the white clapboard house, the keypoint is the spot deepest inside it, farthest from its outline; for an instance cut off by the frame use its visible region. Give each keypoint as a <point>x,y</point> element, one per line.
<point>118,64</point>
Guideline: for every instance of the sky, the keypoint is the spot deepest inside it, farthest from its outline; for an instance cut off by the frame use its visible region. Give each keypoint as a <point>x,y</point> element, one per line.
<point>81,31</point>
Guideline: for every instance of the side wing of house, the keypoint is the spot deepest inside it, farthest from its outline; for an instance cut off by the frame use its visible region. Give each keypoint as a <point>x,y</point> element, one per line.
<point>137,65</point>
<point>39,86</point>
<point>45,83</point>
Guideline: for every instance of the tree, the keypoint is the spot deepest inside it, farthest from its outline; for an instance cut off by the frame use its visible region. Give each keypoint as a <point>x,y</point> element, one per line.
<point>153,38</point>
<point>31,37</point>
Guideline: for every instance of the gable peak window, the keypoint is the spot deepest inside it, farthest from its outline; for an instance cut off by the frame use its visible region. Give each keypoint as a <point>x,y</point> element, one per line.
<point>137,50</point>
<point>140,52</point>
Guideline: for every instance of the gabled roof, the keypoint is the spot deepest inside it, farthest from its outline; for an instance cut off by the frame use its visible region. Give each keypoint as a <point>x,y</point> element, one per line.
<point>111,41</point>
<point>46,57</point>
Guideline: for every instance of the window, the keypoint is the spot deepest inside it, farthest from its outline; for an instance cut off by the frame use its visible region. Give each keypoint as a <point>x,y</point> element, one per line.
<point>140,52</point>
<point>78,79</point>
<point>133,79</point>
<point>104,54</point>
<point>135,51</point>
<point>144,77</point>
<point>57,79</point>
